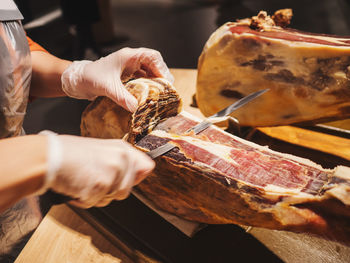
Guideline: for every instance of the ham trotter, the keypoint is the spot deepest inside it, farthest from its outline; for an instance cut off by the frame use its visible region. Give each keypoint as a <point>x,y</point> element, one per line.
<point>308,74</point>
<point>218,178</point>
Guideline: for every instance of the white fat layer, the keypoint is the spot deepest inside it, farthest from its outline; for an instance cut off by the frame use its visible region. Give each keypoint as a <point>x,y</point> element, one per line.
<point>221,151</point>
<point>281,190</point>
<point>222,119</point>
<point>342,172</point>
<point>144,86</point>
<point>144,91</point>
<point>262,148</point>
<point>290,195</point>
<point>188,115</point>
<point>151,82</point>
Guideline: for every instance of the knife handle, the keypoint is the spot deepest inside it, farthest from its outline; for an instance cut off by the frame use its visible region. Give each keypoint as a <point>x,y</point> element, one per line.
<point>57,198</point>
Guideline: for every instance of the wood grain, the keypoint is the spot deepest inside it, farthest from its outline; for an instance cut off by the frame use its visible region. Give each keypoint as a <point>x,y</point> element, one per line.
<point>315,140</point>
<point>185,84</point>
<point>63,236</point>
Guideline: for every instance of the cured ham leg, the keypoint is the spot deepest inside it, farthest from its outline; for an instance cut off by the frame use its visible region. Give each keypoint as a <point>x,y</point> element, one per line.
<point>308,74</point>
<point>217,178</point>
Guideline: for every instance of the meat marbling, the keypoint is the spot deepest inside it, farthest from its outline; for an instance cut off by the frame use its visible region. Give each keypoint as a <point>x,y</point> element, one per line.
<point>218,178</point>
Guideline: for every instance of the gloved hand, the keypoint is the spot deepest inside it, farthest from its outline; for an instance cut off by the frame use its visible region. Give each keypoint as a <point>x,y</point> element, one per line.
<point>93,171</point>
<point>105,77</point>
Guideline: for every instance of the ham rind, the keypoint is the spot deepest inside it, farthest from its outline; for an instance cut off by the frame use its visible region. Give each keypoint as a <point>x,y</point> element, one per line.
<point>217,178</point>
<point>307,74</point>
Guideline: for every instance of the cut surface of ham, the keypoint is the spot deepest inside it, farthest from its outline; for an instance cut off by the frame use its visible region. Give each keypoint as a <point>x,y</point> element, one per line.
<point>308,74</point>
<point>238,160</point>
<point>217,178</point>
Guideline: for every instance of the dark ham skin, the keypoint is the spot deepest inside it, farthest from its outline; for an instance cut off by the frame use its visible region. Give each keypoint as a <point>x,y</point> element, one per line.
<point>218,178</point>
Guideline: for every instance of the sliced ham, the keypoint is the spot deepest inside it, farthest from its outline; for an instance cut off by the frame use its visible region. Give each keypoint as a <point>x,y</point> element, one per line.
<point>217,178</point>
<point>307,74</point>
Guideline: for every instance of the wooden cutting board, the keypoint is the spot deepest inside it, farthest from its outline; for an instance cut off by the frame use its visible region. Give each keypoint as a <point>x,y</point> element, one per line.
<point>311,139</point>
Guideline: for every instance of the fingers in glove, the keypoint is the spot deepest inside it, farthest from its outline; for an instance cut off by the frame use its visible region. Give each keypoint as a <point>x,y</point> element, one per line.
<point>94,198</point>
<point>145,60</point>
<point>80,204</point>
<point>141,74</point>
<point>85,205</point>
<point>95,171</point>
<point>104,202</point>
<point>141,175</point>
<point>137,168</point>
<point>94,202</point>
<point>143,166</point>
<point>153,64</point>
<point>123,97</point>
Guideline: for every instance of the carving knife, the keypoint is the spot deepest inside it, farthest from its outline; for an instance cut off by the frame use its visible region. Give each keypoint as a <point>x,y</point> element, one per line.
<point>206,123</point>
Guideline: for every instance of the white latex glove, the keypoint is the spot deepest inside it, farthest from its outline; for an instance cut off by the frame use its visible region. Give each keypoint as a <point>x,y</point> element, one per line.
<point>104,77</point>
<point>93,171</point>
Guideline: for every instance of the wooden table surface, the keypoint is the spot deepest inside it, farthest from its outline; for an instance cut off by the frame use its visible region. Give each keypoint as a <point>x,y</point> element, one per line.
<point>63,236</point>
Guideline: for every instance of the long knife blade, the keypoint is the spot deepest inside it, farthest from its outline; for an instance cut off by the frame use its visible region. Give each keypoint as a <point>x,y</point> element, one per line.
<point>205,123</point>
<point>239,103</point>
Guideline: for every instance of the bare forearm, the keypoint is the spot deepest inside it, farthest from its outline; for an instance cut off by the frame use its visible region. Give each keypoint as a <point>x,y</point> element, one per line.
<point>23,166</point>
<point>46,76</point>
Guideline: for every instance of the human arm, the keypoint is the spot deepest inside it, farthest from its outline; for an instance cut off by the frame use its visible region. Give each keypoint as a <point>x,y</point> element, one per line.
<point>46,75</point>
<point>23,165</point>
<point>92,171</point>
<point>89,79</point>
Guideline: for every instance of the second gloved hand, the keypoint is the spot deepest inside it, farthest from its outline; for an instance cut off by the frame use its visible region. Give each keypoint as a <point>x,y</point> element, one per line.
<point>105,77</point>
<point>94,171</point>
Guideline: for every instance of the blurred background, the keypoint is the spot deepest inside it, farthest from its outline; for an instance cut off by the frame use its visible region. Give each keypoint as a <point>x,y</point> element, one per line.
<point>88,29</point>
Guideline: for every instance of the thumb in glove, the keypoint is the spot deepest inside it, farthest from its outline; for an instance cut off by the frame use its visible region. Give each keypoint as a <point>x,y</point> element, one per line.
<point>105,77</point>
<point>94,171</point>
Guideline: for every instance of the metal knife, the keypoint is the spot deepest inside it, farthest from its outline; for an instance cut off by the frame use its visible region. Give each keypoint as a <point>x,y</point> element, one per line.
<point>206,123</point>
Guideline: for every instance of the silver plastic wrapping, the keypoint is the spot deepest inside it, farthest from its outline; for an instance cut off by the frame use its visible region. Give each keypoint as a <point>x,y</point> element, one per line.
<point>15,75</point>
<point>20,220</point>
